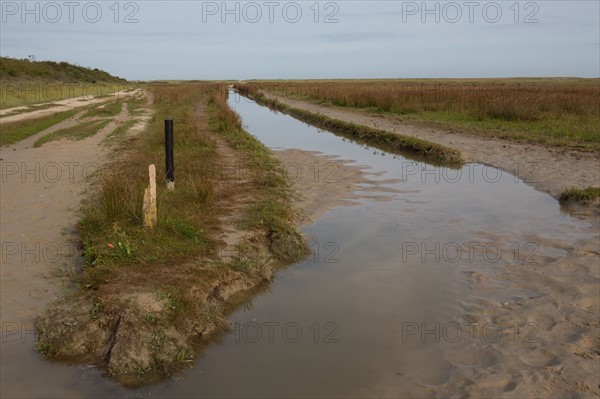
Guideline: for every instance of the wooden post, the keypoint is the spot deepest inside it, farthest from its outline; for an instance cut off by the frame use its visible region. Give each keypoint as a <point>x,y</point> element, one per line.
<point>150,209</point>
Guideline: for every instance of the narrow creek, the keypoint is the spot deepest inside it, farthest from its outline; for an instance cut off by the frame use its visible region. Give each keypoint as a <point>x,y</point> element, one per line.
<point>385,305</point>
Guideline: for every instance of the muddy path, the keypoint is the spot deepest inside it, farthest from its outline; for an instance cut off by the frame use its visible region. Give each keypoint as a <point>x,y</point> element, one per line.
<point>549,169</point>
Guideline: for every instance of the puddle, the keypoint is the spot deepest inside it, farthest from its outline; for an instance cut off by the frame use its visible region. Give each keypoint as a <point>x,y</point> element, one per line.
<point>378,307</point>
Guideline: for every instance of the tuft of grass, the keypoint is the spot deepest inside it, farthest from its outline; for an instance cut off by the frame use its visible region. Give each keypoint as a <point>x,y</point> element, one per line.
<point>17,131</point>
<point>585,195</point>
<point>274,215</point>
<point>78,132</point>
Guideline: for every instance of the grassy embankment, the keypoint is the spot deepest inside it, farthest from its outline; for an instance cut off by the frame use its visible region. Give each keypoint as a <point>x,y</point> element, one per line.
<point>143,296</point>
<point>556,112</point>
<point>36,85</point>
<point>26,83</point>
<point>411,147</point>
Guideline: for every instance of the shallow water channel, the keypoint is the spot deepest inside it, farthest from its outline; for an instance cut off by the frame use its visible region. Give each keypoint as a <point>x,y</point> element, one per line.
<point>382,307</point>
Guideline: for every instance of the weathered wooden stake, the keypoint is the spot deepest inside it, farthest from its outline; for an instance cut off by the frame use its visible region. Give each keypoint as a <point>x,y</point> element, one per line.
<point>150,209</point>
<point>169,160</point>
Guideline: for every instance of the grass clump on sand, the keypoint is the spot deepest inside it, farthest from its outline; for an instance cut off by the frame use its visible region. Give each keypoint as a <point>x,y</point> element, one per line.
<point>584,195</point>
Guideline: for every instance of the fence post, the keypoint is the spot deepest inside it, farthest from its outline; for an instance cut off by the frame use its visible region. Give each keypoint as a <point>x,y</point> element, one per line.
<point>169,160</point>
<point>150,209</point>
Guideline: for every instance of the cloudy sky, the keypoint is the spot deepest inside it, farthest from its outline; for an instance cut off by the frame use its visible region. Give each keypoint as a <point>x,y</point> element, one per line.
<point>308,39</point>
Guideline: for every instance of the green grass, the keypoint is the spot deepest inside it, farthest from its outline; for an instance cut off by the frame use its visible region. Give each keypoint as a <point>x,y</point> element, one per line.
<point>109,109</point>
<point>17,131</point>
<point>31,108</point>
<point>563,131</point>
<point>117,205</point>
<point>585,195</point>
<point>77,132</point>
<point>122,129</point>
<point>37,107</point>
<point>274,215</point>
<point>136,105</point>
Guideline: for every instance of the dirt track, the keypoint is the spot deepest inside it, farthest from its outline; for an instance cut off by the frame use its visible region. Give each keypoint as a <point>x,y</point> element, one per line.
<point>40,193</point>
<point>548,169</point>
<point>61,106</point>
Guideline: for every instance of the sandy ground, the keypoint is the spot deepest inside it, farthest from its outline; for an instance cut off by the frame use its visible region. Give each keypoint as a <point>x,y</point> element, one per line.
<point>548,169</point>
<point>40,193</point>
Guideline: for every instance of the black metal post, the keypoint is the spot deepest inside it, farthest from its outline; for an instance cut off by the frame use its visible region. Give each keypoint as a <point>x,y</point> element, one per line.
<point>170,162</point>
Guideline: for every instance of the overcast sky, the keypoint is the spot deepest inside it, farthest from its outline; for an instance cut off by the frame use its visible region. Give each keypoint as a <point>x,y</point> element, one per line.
<point>307,39</point>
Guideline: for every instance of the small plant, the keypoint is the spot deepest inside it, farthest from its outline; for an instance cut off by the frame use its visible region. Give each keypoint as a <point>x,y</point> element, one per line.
<point>141,370</point>
<point>184,355</point>
<point>94,311</point>
<point>151,318</point>
<point>175,302</point>
<point>124,245</point>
